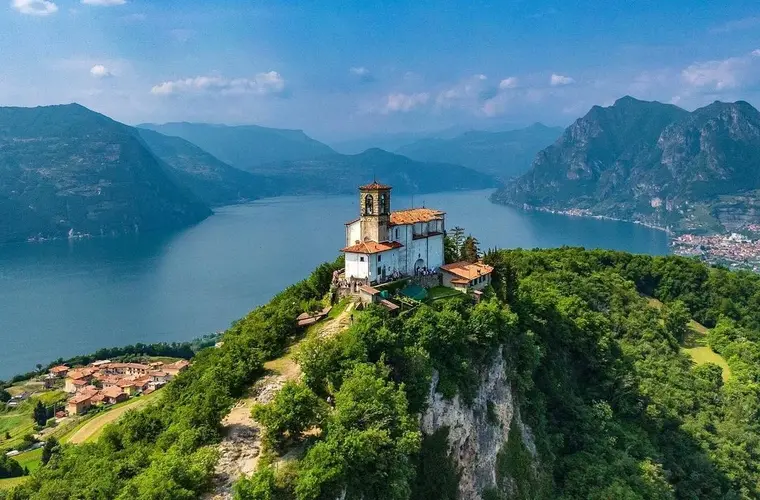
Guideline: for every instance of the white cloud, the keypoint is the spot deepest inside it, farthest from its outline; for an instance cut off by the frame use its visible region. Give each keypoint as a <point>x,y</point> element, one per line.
<point>508,83</point>
<point>468,93</point>
<point>404,102</point>
<point>270,83</point>
<point>362,74</point>
<point>359,71</point>
<point>104,3</point>
<point>35,7</point>
<point>100,71</point>
<point>559,80</point>
<point>725,74</point>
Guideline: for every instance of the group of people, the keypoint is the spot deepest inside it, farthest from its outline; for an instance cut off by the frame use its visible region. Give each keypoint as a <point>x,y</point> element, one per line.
<point>352,283</point>
<point>424,271</point>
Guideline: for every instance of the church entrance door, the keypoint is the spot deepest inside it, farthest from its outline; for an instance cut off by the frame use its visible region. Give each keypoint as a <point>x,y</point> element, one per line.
<point>418,266</point>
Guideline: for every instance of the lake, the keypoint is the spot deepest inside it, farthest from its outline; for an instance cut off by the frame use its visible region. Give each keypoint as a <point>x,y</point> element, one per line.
<point>62,298</point>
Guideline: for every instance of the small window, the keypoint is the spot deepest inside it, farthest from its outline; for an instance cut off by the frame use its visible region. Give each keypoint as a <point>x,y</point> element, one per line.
<point>361,259</point>
<point>379,257</point>
<point>379,271</point>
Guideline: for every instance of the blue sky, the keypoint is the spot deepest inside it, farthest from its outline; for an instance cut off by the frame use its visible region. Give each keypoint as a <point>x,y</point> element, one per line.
<point>351,68</point>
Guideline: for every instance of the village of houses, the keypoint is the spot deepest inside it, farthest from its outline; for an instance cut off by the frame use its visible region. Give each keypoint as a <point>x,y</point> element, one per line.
<point>106,383</point>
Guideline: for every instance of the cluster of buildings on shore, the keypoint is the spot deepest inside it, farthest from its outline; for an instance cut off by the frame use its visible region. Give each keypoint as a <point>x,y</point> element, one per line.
<point>106,382</point>
<point>734,250</point>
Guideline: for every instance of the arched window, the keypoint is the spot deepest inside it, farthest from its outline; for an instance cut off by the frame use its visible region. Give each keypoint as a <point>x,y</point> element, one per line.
<point>368,205</point>
<point>383,203</point>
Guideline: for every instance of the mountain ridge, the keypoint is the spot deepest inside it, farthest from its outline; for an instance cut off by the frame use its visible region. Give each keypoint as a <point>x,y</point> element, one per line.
<point>503,154</point>
<point>651,162</point>
<point>245,146</point>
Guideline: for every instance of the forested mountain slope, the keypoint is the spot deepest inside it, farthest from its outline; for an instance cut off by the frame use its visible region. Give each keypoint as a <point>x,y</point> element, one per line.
<point>66,169</point>
<point>592,396</point>
<point>209,178</point>
<point>652,162</point>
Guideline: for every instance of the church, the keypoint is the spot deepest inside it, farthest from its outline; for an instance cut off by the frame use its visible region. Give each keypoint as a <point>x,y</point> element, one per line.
<point>382,244</point>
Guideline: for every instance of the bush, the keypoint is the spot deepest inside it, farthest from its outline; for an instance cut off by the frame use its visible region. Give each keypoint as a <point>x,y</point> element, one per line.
<point>294,410</point>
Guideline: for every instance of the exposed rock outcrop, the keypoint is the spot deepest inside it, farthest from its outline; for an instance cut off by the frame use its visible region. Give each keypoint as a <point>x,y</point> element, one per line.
<point>480,430</point>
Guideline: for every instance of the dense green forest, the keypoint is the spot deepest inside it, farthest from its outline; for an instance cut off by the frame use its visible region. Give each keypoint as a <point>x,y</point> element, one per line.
<point>616,408</point>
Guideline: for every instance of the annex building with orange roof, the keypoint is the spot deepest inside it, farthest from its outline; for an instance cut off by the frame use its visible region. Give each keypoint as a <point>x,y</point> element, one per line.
<point>382,244</point>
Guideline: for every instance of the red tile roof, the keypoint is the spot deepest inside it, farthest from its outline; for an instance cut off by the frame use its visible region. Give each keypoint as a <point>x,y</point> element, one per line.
<point>374,185</point>
<point>59,369</point>
<point>467,270</point>
<point>80,398</point>
<point>414,215</point>
<point>112,392</point>
<point>372,247</point>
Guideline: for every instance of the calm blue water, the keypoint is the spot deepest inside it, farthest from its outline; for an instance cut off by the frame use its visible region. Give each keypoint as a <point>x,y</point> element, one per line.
<point>58,299</point>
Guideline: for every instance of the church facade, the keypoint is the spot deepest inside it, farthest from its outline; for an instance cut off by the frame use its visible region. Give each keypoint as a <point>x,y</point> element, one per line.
<point>382,244</point>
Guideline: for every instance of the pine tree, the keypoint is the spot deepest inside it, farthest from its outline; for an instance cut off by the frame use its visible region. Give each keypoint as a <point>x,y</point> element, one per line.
<point>470,251</point>
<point>40,414</point>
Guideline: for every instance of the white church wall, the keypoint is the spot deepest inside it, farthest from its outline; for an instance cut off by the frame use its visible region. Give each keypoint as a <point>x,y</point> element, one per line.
<point>430,250</point>
<point>353,233</point>
<point>357,265</point>
<point>435,251</point>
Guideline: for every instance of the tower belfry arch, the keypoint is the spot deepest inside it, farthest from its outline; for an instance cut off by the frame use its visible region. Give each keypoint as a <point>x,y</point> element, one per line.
<point>375,203</point>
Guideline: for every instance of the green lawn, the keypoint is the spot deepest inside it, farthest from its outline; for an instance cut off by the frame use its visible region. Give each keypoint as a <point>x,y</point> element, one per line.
<point>442,292</point>
<point>17,424</point>
<point>31,460</point>
<point>6,484</point>
<point>695,344</point>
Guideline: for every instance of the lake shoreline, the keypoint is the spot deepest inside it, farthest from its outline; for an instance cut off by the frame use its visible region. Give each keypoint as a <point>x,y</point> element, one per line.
<point>584,213</point>
<point>62,298</point>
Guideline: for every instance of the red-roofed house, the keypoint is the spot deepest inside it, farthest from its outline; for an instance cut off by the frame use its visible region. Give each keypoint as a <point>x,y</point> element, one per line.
<point>465,276</point>
<point>113,395</point>
<point>173,369</point>
<point>59,371</point>
<point>79,404</point>
<point>382,243</point>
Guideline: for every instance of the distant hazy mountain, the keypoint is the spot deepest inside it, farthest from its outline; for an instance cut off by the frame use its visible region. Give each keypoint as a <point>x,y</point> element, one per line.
<point>339,174</point>
<point>652,162</point>
<point>68,169</point>
<point>387,142</point>
<point>501,154</point>
<point>209,178</point>
<point>246,146</point>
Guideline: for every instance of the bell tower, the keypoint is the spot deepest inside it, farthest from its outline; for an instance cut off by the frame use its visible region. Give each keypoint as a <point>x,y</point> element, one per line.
<point>375,210</point>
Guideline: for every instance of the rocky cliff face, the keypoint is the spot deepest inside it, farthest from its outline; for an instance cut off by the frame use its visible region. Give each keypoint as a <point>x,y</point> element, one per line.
<point>651,162</point>
<point>479,432</point>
